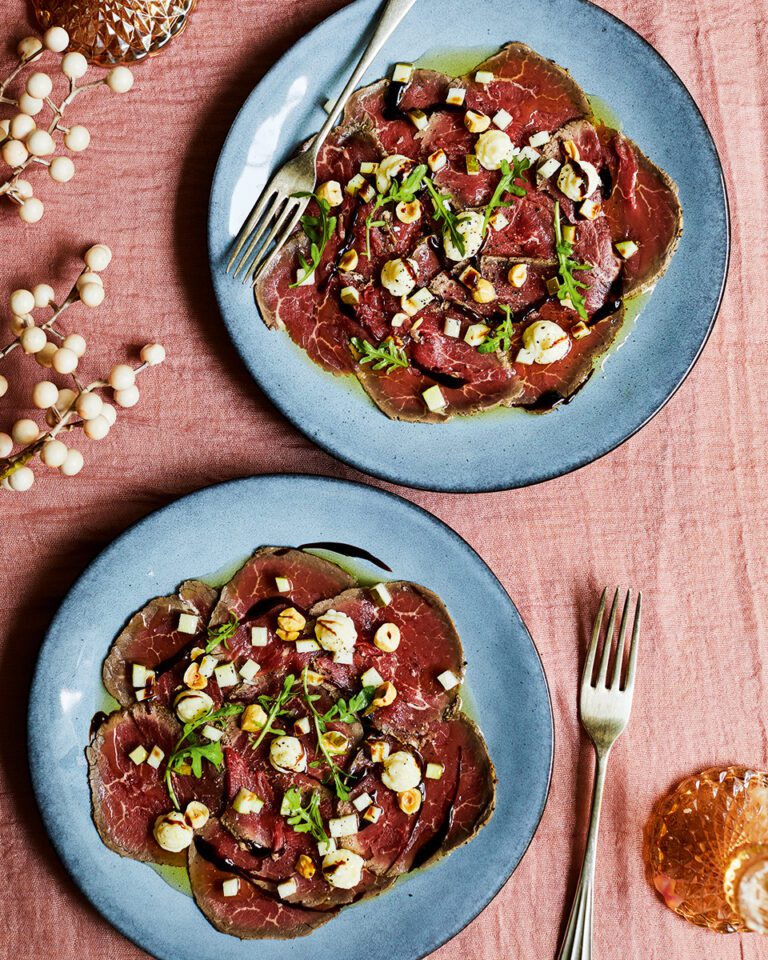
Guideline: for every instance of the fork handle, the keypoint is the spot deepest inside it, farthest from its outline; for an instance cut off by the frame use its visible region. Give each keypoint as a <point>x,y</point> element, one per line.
<point>392,14</point>
<point>577,942</point>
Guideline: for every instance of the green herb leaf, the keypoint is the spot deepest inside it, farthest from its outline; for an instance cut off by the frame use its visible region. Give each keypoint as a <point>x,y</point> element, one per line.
<point>319,231</point>
<point>445,215</point>
<point>387,356</point>
<point>506,185</point>
<point>275,707</point>
<point>570,288</point>
<point>337,776</point>
<point>500,338</point>
<point>305,819</point>
<point>404,192</point>
<point>222,633</point>
<point>193,752</point>
<point>348,712</point>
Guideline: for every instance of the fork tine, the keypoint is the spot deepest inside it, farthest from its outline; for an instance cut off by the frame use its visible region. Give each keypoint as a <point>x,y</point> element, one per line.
<point>263,256</point>
<point>619,661</point>
<point>247,228</point>
<point>608,643</point>
<point>280,242</point>
<point>269,216</point>
<point>632,665</point>
<point>589,665</point>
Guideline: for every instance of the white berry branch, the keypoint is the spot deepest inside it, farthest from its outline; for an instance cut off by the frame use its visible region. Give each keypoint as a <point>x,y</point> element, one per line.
<point>80,407</point>
<point>22,142</point>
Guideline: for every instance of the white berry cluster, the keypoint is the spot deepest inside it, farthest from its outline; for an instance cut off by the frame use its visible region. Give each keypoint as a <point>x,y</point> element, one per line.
<point>25,142</point>
<point>77,406</point>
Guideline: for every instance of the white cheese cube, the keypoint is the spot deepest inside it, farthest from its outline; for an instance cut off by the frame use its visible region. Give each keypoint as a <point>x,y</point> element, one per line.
<point>354,185</point>
<point>326,846</point>
<point>381,595</point>
<point>627,248</point>
<point>364,800</point>
<point>287,889</point>
<point>347,657</point>
<point>249,669</point>
<point>226,675</point>
<point>548,168</point>
<point>144,694</point>
<point>373,813</point>
<point>259,636</point>
<point>484,76</point>
<point>531,154</point>
<point>580,330</point>
<point>498,221</point>
<point>402,72</point>
<point>456,96</point>
<point>539,139</point>
<point>371,678</point>
<point>437,160</point>
<point>434,771</point>
<point>527,357</point>
<point>312,677</point>
<point>343,826</point>
<point>349,296</point>
<point>421,298</point>
<point>399,319</point>
<point>452,327</point>
<point>448,679</point>
<point>140,676</point>
<point>369,166</point>
<point>247,802</point>
<point>366,192</point>
<point>301,726</point>
<point>591,209</point>
<point>156,757</point>
<point>285,807</point>
<point>138,755</point>
<point>304,277</point>
<point>419,119</point>
<point>476,334</point>
<point>188,623</point>
<point>231,887</point>
<point>434,399</point>
<point>502,119</point>
<point>307,646</point>
<point>207,665</point>
<point>212,733</point>
<point>283,585</point>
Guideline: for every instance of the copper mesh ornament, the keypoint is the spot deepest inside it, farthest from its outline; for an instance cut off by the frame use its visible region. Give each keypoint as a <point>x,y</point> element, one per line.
<point>116,31</point>
<point>703,840</point>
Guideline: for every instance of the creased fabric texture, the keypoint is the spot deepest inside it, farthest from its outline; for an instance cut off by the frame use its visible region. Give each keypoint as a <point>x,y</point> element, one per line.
<point>680,510</point>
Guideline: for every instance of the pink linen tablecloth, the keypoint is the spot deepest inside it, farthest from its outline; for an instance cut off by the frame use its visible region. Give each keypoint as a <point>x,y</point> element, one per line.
<point>681,510</point>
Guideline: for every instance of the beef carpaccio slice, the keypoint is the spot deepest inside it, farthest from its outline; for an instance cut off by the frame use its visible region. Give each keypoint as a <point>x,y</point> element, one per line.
<point>127,797</point>
<point>429,645</point>
<point>254,912</point>
<point>527,96</point>
<point>151,637</point>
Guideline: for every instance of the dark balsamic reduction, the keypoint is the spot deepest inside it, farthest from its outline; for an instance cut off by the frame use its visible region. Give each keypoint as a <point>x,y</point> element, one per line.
<point>346,550</point>
<point>265,605</point>
<point>393,99</point>
<point>98,718</point>
<point>606,183</point>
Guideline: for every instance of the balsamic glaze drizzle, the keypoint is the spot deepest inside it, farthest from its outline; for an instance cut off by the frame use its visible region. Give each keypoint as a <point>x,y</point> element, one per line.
<point>346,550</point>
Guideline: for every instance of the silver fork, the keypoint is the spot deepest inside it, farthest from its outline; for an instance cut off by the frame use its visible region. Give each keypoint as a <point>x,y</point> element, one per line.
<point>278,201</point>
<point>604,710</point>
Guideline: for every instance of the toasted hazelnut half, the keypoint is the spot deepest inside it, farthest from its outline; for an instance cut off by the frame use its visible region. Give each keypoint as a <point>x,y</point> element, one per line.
<point>387,637</point>
<point>305,866</point>
<point>334,742</point>
<point>571,150</point>
<point>385,694</point>
<point>408,212</point>
<point>194,679</point>
<point>290,623</point>
<point>253,718</point>
<point>518,274</point>
<point>484,291</point>
<point>348,261</point>
<point>409,801</point>
<point>196,814</point>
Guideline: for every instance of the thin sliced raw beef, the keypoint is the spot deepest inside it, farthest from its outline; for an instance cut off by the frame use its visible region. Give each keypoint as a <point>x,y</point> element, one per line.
<point>151,637</point>
<point>127,797</point>
<point>253,913</point>
<point>429,645</point>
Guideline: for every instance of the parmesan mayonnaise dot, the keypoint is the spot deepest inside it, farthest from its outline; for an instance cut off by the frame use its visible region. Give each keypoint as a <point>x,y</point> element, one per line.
<point>389,168</point>
<point>287,755</point>
<point>401,772</point>
<point>398,277</point>
<point>343,868</point>
<point>191,705</point>
<point>335,631</point>
<point>470,226</point>
<point>546,341</point>
<point>172,832</point>
<point>493,148</point>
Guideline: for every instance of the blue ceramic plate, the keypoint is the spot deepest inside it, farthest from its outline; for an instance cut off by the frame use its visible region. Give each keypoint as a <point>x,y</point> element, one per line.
<point>507,448</point>
<point>211,533</point>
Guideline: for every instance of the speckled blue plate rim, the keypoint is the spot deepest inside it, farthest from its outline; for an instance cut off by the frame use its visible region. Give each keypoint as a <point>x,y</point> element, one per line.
<point>56,818</point>
<point>460,483</point>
